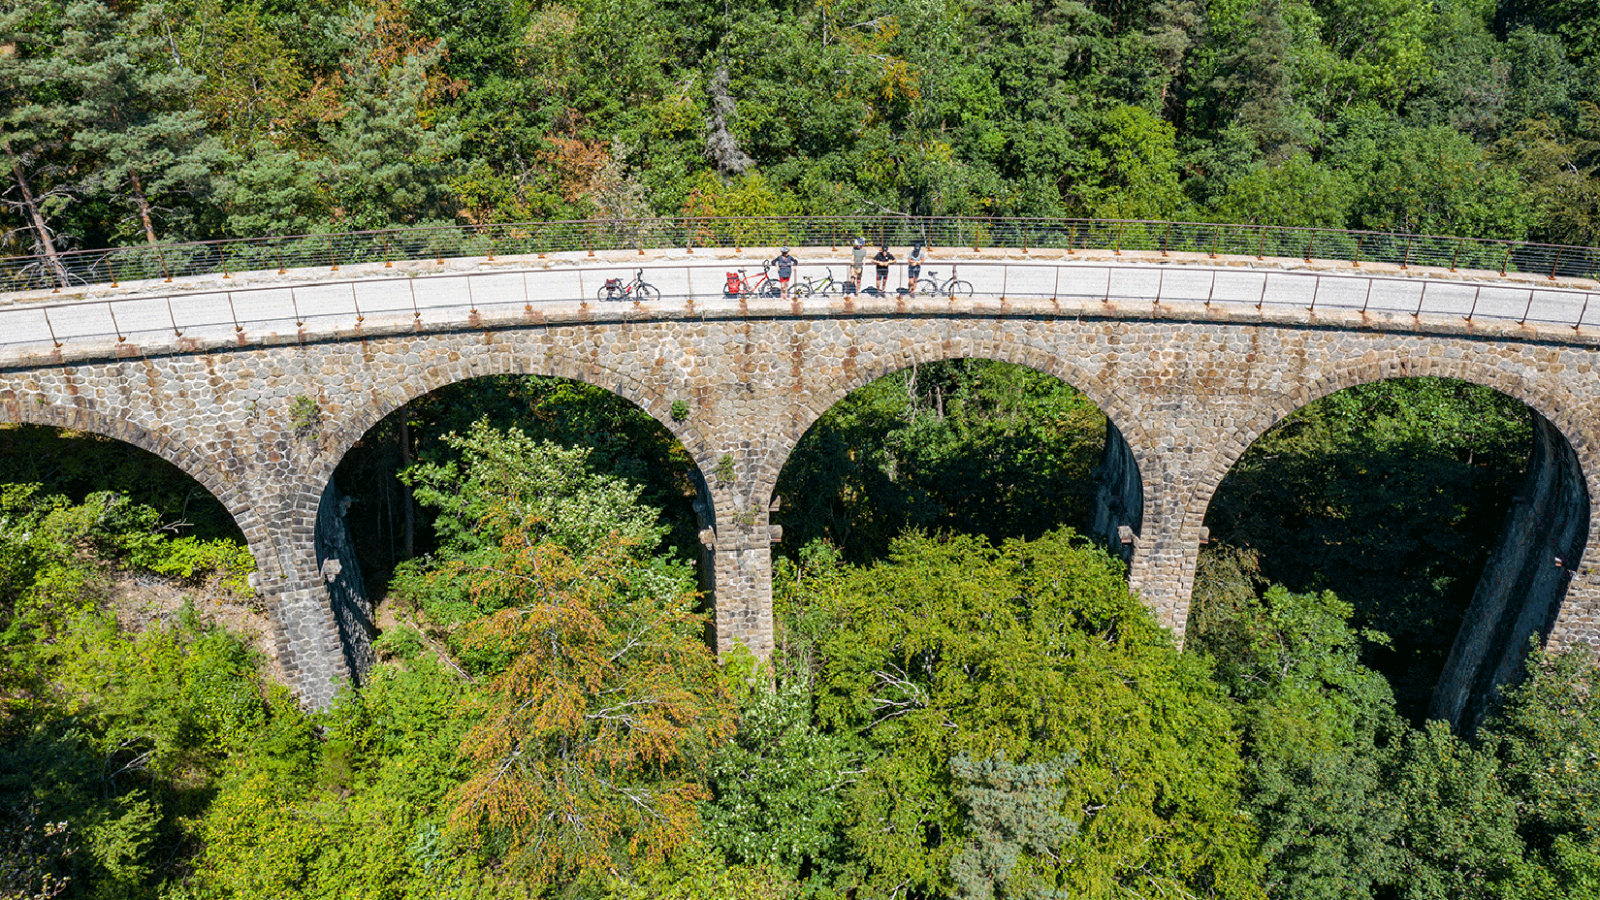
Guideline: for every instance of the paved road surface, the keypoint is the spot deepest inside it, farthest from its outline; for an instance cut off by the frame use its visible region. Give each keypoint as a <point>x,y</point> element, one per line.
<point>27,329</point>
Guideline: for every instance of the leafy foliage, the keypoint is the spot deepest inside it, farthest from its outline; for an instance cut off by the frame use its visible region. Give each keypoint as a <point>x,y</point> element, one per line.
<point>1389,494</point>
<point>1034,650</point>
<point>972,445</point>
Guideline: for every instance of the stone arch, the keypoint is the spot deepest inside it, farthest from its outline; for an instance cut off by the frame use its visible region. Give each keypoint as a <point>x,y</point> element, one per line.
<point>1488,651</point>
<point>1124,427</point>
<point>505,360</point>
<point>1554,406</point>
<point>231,493</point>
<point>318,508</point>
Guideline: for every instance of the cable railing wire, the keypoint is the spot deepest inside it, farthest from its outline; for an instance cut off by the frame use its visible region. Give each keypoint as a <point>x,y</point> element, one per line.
<point>167,261</point>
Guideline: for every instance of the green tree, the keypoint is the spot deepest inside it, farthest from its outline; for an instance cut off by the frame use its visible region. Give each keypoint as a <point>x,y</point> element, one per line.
<point>1037,651</point>
<point>1315,724</point>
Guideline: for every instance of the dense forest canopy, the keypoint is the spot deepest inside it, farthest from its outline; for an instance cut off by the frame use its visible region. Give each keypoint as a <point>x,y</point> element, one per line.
<point>965,700</point>
<point>192,119</point>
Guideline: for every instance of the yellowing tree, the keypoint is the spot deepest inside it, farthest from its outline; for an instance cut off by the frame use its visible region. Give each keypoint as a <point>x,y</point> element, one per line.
<point>599,696</point>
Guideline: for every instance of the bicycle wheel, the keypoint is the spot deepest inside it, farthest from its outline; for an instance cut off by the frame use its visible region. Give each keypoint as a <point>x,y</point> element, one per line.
<point>648,292</point>
<point>958,288</point>
<point>606,294</point>
<point>799,291</point>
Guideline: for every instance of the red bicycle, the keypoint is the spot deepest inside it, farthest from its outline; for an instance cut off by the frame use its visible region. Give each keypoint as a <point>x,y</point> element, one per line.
<point>739,286</point>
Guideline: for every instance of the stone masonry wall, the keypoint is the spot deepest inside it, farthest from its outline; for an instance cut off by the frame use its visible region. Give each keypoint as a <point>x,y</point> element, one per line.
<point>1187,389</point>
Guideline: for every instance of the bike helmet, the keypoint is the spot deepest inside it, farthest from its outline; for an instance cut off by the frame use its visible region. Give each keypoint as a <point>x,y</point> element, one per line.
<point>786,250</point>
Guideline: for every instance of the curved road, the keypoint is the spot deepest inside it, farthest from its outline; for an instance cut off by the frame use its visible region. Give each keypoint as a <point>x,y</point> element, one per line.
<point>257,308</point>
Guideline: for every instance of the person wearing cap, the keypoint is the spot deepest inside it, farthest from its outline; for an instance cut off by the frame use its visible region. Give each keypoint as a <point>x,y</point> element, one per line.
<point>785,264</point>
<point>914,266</point>
<point>858,261</point>
<point>881,261</point>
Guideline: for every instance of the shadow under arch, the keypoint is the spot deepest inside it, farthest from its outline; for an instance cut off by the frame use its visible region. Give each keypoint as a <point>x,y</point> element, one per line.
<point>506,394</point>
<point>1119,507</point>
<point>1539,544</point>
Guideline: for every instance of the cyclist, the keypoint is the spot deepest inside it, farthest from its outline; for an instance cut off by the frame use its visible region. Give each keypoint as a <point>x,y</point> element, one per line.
<point>881,260</point>
<point>858,259</point>
<point>914,266</point>
<point>785,264</point>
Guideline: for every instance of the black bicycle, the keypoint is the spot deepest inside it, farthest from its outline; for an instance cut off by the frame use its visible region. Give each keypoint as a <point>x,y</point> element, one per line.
<point>955,287</point>
<point>637,289</point>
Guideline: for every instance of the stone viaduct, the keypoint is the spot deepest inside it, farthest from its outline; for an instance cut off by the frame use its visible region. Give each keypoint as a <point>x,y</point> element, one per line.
<point>1186,386</point>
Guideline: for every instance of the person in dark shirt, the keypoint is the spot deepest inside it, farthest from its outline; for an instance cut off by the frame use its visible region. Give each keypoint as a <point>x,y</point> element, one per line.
<point>882,259</point>
<point>786,265</point>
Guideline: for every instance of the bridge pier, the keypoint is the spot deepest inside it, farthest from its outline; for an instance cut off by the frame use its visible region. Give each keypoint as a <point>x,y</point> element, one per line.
<point>1539,548</point>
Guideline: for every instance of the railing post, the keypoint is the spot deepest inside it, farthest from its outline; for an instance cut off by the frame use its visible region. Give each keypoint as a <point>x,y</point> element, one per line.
<point>416,313</point>
<point>1420,299</point>
<point>1526,309</point>
<point>1311,242</point>
<point>357,303</point>
<point>1506,263</point>
<point>1118,250</point>
<point>115,327</point>
<point>1315,290</point>
<point>47,324</point>
<point>1212,292</point>
<point>1216,236</point>
<point>162,257</point>
<point>278,251</point>
<point>1555,264</point>
<point>1357,261</point>
<point>1261,246</point>
<point>1405,261</point>
<point>1477,292</point>
<point>1582,312</point>
<point>234,314</point>
<point>1455,257</point>
<point>176,331</point>
<point>1166,239</point>
<point>294,303</point>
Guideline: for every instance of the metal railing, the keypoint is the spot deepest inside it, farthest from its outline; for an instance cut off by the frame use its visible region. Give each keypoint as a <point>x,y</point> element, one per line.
<point>509,296</point>
<point>331,251</point>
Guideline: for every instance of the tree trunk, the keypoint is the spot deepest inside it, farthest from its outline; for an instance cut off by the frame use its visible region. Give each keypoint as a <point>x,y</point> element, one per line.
<point>144,207</point>
<point>35,217</point>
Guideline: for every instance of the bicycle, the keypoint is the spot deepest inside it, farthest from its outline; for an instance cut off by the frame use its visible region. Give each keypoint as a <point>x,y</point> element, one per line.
<point>637,289</point>
<point>820,288</point>
<point>740,286</point>
<point>955,287</point>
